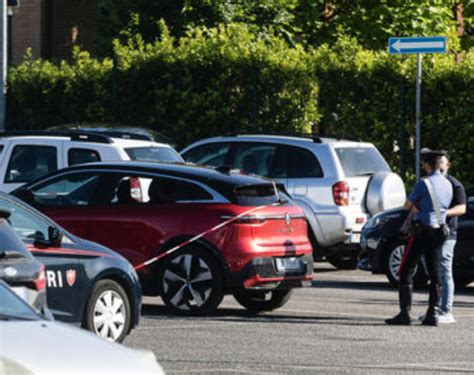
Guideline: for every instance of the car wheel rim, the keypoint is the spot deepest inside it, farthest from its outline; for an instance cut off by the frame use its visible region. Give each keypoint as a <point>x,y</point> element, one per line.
<point>109,315</point>
<point>395,260</point>
<point>187,281</point>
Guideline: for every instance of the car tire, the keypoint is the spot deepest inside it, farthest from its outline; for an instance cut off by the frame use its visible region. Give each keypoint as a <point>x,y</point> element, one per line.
<point>108,312</point>
<point>191,282</point>
<point>257,301</point>
<point>343,262</point>
<point>392,260</point>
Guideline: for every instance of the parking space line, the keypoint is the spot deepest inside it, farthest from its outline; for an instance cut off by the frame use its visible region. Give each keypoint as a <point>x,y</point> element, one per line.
<point>181,326</point>
<point>220,370</point>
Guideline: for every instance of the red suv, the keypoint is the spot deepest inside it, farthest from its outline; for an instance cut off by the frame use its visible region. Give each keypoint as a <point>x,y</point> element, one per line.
<point>144,209</point>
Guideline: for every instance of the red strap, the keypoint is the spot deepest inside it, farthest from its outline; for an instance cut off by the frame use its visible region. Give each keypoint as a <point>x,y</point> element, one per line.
<point>405,254</point>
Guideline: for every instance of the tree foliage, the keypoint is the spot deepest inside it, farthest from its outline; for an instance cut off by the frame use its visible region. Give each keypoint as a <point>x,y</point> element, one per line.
<point>309,22</point>
<point>210,81</point>
<point>214,81</point>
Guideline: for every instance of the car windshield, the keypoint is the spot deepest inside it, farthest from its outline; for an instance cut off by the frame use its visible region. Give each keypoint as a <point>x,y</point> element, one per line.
<point>11,244</point>
<point>12,307</point>
<point>154,154</point>
<point>361,161</point>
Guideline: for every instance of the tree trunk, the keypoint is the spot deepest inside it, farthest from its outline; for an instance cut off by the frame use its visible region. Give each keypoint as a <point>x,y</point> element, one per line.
<point>458,10</point>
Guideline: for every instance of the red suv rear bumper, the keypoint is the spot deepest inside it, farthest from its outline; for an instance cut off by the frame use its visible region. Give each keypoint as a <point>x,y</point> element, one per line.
<point>262,273</point>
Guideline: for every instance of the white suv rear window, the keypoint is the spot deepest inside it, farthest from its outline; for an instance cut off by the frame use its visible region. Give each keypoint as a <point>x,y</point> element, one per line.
<point>153,154</point>
<point>361,161</point>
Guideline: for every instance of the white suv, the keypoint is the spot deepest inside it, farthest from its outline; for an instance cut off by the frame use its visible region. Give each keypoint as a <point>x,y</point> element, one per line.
<point>339,183</point>
<point>26,156</point>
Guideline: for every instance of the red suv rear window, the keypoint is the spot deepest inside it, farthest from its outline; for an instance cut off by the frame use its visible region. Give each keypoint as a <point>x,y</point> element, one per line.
<point>257,195</point>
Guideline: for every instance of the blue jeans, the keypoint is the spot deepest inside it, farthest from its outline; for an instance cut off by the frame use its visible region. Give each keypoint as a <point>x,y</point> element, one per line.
<point>446,273</point>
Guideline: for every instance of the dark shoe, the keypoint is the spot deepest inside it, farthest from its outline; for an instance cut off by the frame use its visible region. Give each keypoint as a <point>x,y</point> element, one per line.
<point>431,318</point>
<point>402,319</point>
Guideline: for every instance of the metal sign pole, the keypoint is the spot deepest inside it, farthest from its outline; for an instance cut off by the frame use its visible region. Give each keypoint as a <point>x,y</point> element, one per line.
<point>418,46</point>
<point>418,113</point>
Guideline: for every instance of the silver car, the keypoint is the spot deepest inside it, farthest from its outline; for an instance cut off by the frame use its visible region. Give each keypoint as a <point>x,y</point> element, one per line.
<point>31,345</point>
<point>339,183</point>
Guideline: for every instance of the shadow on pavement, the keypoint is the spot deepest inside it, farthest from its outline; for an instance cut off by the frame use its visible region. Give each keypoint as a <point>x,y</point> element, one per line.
<point>364,285</point>
<point>244,316</point>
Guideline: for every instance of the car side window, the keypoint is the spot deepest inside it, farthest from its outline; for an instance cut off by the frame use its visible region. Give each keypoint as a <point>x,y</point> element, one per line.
<point>302,163</point>
<point>255,158</point>
<point>28,163</point>
<point>169,190</point>
<point>26,224</point>
<point>1,149</point>
<point>82,155</point>
<point>126,190</point>
<point>74,189</point>
<point>213,154</point>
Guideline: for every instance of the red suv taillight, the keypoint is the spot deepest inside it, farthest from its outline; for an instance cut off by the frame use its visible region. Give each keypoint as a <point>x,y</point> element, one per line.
<point>40,282</point>
<point>340,193</point>
<point>136,189</point>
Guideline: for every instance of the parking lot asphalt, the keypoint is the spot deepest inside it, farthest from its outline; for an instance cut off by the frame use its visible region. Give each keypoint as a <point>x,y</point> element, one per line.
<point>336,326</point>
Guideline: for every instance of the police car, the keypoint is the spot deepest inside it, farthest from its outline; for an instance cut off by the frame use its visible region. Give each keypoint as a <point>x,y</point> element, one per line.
<point>87,284</point>
<point>19,269</point>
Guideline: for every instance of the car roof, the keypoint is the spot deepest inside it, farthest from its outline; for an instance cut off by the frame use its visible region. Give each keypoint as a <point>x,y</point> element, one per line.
<point>121,142</point>
<point>184,170</point>
<point>77,351</point>
<point>284,139</point>
<point>222,180</point>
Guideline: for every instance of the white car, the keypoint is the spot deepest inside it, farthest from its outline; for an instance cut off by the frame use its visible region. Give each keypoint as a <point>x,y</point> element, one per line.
<point>30,345</point>
<point>26,156</point>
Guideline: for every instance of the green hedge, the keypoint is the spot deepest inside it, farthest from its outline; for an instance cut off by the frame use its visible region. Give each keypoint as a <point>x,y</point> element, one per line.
<point>360,96</point>
<point>212,81</point>
<point>227,80</point>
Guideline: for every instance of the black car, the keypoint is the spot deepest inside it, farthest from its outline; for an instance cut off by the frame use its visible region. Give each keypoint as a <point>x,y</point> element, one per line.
<point>18,268</point>
<point>87,284</point>
<point>383,246</point>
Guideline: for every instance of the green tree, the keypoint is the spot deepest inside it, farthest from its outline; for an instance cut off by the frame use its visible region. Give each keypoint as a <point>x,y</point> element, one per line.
<point>372,22</point>
<point>309,22</point>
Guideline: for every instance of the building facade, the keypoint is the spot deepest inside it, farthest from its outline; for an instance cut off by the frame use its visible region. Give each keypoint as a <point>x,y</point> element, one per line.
<point>51,28</point>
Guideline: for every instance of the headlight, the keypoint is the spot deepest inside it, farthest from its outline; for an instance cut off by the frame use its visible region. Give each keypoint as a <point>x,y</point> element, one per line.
<point>379,220</point>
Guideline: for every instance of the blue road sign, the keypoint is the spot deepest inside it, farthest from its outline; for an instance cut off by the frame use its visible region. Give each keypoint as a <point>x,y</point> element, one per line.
<point>436,44</point>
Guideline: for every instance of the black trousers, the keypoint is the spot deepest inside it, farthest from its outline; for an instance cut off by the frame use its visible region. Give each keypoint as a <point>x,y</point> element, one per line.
<point>428,242</point>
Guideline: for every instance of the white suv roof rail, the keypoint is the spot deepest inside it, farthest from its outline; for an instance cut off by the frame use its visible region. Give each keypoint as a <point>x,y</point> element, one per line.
<point>81,136</point>
<point>316,138</point>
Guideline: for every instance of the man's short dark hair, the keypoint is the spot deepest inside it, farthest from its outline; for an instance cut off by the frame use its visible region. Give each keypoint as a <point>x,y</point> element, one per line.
<point>433,158</point>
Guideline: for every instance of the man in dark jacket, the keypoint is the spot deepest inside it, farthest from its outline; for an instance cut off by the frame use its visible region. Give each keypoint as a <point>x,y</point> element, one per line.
<point>428,194</point>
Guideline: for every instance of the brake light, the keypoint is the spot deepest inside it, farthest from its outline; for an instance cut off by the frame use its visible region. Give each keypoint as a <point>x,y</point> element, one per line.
<point>40,282</point>
<point>340,193</point>
<point>136,189</point>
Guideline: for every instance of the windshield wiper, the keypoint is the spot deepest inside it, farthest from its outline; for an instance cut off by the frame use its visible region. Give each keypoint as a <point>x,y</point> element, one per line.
<point>16,317</point>
<point>11,254</point>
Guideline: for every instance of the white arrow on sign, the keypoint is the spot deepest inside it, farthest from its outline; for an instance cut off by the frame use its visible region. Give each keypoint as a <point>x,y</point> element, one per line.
<point>399,45</point>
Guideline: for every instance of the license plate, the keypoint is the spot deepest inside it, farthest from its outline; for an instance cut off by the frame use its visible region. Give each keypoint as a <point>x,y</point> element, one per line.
<point>288,264</point>
<point>21,292</point>
<point>355,238</point>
